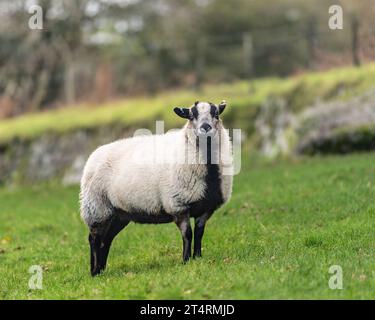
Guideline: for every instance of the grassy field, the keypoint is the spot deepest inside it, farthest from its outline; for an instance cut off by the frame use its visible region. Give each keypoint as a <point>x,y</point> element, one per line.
<point>286,224</point>
<point>298,91</point>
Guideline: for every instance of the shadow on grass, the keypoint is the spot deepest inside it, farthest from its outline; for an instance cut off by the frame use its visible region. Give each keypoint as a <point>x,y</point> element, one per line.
<point>144,267</point>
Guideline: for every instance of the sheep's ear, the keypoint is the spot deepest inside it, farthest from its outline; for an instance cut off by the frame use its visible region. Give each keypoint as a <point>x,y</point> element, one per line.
<point>222,106</point>
<point>182,112</point>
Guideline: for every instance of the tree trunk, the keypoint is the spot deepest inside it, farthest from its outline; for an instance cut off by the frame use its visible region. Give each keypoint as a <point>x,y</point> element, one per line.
<point>69,80</point>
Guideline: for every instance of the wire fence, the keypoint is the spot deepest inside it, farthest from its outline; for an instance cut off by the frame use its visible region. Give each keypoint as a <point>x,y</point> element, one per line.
<point>311,47</point>
<point>156,65</point>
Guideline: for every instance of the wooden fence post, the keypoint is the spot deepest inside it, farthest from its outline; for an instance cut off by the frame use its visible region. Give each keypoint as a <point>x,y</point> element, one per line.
<point>248,57</point>
<point>355,40</point>
<point>200,63</point>
<point>311,39</point>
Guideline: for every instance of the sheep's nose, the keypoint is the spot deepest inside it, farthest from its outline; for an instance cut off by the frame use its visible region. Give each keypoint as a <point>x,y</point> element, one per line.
<point>206,127</point>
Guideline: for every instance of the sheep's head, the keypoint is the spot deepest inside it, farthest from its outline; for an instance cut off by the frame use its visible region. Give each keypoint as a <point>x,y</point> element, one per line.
<point>204,117</point>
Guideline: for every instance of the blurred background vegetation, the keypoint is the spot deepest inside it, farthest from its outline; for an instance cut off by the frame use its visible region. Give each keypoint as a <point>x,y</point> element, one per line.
<point>95,50</point>
<point>101,68</point>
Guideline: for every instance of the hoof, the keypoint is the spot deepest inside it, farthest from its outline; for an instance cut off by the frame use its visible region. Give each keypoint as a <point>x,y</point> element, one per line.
<point>96,272</point>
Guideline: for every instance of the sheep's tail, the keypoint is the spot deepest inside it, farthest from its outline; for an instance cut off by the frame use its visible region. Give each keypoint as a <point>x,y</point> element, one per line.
<point>95,206</point>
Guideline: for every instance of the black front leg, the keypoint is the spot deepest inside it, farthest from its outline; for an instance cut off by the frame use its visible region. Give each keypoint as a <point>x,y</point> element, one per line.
<point>198,234</point>
<point>200,223</point>
<point>183,223</point>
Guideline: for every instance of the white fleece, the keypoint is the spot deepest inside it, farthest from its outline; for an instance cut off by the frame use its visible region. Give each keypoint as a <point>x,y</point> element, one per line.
<point>147,174</point>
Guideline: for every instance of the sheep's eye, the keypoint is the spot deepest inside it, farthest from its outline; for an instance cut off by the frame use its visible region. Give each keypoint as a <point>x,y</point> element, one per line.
<point>214,111</point>
<point>194,113</point>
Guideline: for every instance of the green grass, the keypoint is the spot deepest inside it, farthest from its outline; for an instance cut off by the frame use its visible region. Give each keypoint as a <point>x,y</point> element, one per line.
<point>299,91</point>
<point>286,224</point>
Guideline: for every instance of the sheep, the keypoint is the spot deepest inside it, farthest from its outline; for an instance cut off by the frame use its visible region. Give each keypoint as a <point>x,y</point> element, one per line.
<point>172,177</point>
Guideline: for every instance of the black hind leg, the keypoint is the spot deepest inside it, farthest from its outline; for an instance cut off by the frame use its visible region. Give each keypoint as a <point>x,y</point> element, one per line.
<point>100,239</point>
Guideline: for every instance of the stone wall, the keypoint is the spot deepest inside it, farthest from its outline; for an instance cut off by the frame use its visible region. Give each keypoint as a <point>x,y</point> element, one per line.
<point>53,155</point>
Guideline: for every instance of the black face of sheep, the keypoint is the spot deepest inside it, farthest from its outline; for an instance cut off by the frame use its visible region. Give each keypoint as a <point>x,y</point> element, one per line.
<point>203,117</point>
